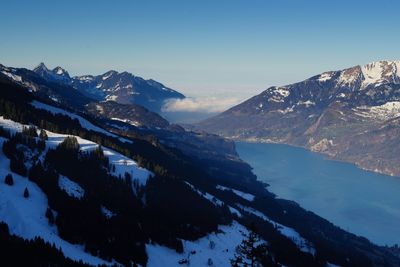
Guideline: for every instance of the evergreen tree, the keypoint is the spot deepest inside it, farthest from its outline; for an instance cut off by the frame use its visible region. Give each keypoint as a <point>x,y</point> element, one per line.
<point>30,131</point>
<point>50,216</point>
<point>26,193</point>
<point>70,143</point>
<point>43,135</point>
<point>41,145</point>
<point>252,252</point>
<point>9,179</point>
<point>17,165</point>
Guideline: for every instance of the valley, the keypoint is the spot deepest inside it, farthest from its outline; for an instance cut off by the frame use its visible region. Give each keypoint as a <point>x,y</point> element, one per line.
<point>163,192</point>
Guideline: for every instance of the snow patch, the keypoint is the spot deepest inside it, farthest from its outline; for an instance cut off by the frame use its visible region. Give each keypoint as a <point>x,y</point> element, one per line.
<point>278,94</point>
<point>380,72</point>
<point>387,111</point>
<point>213,199</point>
<point>70,187</point>
<point>241,194</point>
<point>286,110</point>
<point>111,98</point>
<point>83,122</point>
<point>134,123</point>
<point>325,76</point>
<point>303,244</point>
<point>307,103</point>
<point>107,213</point>
<point>108,75</point>
<point>12,76</point>
<point>219,247</point>
<point>60,71</point>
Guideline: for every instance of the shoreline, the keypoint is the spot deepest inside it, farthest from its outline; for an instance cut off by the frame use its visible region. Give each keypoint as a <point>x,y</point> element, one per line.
<point>327,156</point>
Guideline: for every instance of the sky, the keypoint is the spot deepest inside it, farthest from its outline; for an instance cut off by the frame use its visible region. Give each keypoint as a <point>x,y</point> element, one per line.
<point>218,51</point>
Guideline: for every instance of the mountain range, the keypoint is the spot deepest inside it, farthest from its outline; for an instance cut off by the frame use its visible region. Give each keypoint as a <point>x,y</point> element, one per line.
<point>84,185</point>
<point>123,88</point>
<point>351,115</point>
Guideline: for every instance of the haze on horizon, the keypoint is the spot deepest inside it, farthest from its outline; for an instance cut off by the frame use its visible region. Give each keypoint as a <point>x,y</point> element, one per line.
<point>223,51</point>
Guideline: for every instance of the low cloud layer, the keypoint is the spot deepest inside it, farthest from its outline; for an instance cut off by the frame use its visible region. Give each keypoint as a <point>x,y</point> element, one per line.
<point>203,105</point>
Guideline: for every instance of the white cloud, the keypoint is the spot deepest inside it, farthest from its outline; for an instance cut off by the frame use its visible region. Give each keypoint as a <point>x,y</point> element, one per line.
<point>204,105</point>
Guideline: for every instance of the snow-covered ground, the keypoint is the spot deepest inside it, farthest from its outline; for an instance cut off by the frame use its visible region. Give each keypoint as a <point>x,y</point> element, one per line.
<point>303,244</point>
<point>70,187</point>
<point>12,76</point>
<point>107,213</point>
<point>84,123</point>
<point>325,76</point>
<point>214,200</point>
<point>122,164</point>
<point>26,216</point>
<point>241,194</point>
<point>134,123</point>
<point>219,247</point>
<point>386,111</point>
<point>278,94</point>
<point>380,72</point>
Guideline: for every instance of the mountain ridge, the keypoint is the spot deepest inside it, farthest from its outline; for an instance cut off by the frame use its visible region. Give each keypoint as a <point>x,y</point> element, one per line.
<point>122,87</point>
<point>335,112</point>
<point>73,165</point>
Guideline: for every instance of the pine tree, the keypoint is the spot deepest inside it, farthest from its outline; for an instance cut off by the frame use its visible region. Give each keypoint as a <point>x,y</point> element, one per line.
<point>43,135</point>
<point>41,144</point>
<point>252,252</point>
<point>17,165</point>
<point>26,193</point>
<point>9,180</point>
<point>50,216</point>
<point>30,131</point>
<point>70,143</point>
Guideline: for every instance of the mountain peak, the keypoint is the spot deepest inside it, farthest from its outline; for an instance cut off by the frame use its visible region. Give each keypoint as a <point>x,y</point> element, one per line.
<point>56,74</point>
<point>361,76</point>
<point>60,71</point>
<point>379,72</point>
<point>41,66</point>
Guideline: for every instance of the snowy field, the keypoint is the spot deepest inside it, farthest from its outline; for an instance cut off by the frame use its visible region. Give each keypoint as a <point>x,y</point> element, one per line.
<point>219,247</point>
<point>26,216</point>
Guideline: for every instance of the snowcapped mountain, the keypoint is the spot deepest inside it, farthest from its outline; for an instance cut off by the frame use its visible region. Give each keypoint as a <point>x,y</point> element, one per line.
<point>124,87</point>
<point>78,187</point>
<point>340,113</point>
<point>57,74</point>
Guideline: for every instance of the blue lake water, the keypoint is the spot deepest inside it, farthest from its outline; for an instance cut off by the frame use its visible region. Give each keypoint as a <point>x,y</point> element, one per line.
<point>361,202</point>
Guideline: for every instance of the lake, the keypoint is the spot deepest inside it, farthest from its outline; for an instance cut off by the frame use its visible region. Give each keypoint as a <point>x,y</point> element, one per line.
<point>361,202</point>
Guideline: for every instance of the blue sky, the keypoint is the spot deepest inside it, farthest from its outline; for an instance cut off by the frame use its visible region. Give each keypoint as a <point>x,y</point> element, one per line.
<point>201,48</point>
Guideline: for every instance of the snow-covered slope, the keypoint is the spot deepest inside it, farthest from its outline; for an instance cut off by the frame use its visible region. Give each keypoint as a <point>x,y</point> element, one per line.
<point>214,200</point>
<point>122,164</point>
<point>219,247</point>
<point>380,72</point>
<point>303,244</point>
<point>290,233</point>
<point>241,194</point>
<point>83,122</point>
<point>70,187</point>
<point>26,216</point>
